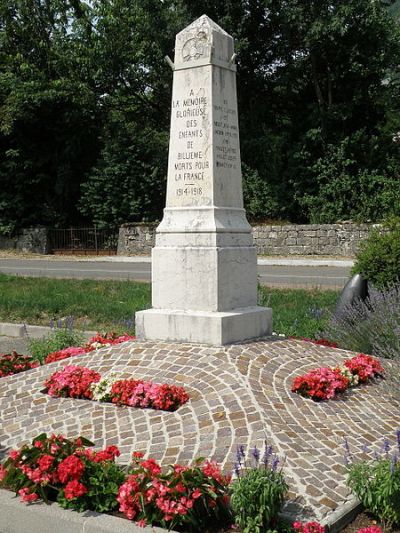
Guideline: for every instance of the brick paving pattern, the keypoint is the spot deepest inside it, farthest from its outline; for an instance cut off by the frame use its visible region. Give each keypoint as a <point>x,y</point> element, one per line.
<point>239,394</point>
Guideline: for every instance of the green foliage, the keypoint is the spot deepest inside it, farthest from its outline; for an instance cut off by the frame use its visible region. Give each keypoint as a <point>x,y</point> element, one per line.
<point>128,183</point>
<point>257,498</point>
<point>58,339</point>
<point>346,192</point>
<point>377,486</point>
<point>98,474</point>
<point>259,200</point>
<point>85,106</point>
<point>379,256</point>
<point>102,480</point>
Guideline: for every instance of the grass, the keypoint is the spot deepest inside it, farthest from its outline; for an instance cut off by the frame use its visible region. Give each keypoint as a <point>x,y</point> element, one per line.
<point>298,312</point>
<point>95,305</point>
<point>105,305</point>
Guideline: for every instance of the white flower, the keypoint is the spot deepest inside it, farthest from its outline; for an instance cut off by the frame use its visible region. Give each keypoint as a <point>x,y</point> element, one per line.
<point>102,389</point>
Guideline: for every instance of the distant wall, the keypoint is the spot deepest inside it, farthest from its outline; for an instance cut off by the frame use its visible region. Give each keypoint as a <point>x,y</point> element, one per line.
<point>340,240</point>
<point>310,239</point>
<point>34,240</point>
<point>136,238</point>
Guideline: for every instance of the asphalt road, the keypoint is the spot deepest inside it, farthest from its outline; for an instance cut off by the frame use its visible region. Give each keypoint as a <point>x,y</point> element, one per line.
<point>282,275</point>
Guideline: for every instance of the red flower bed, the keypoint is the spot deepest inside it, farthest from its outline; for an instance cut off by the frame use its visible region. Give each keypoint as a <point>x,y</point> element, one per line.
<point>321,342</point>
<point>325,383</point>
<point>54,468</point>
<point>148,394</point>
<point>98,341</point>
<point>72,382</point>
<point>58,469</point>
<point>13,363</point>
<point>320,384</point>
<point>64,354</point>
<point>364,366</point>
<point>77,382</point>
<point>315,527</point>
<point>183,495</point>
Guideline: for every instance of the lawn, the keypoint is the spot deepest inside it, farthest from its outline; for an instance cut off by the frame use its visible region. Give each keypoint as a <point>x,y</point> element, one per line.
<point>104,305</point>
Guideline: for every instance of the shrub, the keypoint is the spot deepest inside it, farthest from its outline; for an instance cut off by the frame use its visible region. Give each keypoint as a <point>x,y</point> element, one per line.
<point>13,363</point>
<point>58,469</point>
<point>57,340</point>
<point>371,326</point>
<point>378,259</point>
<point>259,491</point>
<point>377,484</point>
<point>189,497</point>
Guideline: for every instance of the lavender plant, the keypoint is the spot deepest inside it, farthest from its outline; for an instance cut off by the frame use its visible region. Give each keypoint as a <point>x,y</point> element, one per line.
<point>371,326</point>
<point>376,483</point>
<point>259,489</point>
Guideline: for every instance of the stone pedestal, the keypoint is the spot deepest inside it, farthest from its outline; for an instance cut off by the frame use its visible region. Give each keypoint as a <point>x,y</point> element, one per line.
<point>204,264</point>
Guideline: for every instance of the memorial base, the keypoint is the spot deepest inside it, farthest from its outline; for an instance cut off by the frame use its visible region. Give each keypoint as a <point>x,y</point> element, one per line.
<point>214,328</point>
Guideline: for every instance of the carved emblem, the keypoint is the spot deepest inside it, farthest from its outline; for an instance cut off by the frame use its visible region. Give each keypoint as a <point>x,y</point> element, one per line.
<point>195,47</point>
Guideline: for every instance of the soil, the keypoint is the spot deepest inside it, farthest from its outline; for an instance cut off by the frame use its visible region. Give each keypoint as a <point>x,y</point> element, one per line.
<point>364,520</point>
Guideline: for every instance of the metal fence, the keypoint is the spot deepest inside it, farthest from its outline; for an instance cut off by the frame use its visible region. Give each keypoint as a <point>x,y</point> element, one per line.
<point>83,241</point>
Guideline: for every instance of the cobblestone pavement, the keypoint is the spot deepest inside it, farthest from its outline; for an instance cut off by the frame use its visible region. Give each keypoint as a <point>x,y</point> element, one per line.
<point>239,394</point>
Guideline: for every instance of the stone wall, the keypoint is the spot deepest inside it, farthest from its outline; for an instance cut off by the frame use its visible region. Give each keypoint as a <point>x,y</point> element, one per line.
<point>34,240</point>
<point>136,238</point>
<point>340,240</point>
<point>310,239</point>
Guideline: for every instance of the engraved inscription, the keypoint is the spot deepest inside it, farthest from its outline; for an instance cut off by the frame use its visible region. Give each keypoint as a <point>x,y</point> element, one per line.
<point>190,162</point>
<point>226,135</point>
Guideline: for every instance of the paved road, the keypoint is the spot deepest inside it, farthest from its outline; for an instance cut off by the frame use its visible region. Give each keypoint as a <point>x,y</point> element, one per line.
<point>281,275</point>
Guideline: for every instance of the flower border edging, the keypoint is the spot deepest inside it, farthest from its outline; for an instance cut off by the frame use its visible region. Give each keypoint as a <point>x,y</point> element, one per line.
<point>42,518</point>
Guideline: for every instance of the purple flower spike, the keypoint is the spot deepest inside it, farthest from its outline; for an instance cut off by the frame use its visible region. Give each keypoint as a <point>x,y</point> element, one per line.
<point>241,450</point>
<point>398,438</point>
<point>364,448</point>
<point>275,463</point>
<point>255,452</point>
<point>268,451</point>
<point>236,469</point>
<point>346,446</point>
<point>386,445</point>
<point>239,455</point>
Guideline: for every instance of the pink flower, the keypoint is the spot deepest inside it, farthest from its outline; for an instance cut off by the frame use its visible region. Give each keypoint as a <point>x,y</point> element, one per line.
<point>3,472</point>
<point>196,494</point>
<point>370,529</point>
<point>309,527</point>
<point>72,381</point>
<point>27,496</point>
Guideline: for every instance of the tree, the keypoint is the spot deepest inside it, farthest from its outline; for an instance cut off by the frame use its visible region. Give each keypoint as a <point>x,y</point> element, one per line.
<point>85,106</point>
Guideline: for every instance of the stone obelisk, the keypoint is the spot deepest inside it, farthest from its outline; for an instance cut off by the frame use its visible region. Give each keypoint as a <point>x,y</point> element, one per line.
<point>204,264</point>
